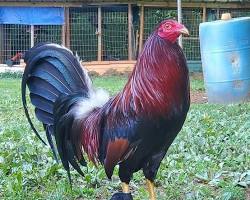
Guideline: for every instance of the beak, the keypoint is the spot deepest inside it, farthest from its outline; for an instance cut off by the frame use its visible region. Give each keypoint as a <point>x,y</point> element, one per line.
<point>184,31</point>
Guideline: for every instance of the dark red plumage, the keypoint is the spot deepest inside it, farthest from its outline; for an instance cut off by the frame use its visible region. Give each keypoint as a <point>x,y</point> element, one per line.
<point>158,87</point>
<point>136,127</point>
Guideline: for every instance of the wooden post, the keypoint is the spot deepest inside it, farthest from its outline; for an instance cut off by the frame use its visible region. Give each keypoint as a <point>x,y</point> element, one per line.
<point>218,14</point>
<point>63,35</point>
<point>130,23</point>
<point>1,43</point>
<point>141,28</point>
<point>67,27</point>
<point>204,14</point>
<point>99,34</point>
<point>32,34</point>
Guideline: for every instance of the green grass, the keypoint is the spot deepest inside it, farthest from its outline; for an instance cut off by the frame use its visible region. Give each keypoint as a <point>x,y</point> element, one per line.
<point>210,158</point>
<point>197,83</point>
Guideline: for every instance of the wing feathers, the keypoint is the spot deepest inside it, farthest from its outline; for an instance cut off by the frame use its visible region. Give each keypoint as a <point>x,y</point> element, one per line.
<point>115,152</point>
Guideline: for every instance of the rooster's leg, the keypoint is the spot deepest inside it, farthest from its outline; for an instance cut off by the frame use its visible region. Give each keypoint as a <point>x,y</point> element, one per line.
<point>124,195</point>
<point>150,170</point>
<point>125,187</point>
<point>151,189</point>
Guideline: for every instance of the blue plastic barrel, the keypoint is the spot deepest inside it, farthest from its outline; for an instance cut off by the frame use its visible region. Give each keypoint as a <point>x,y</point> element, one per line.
<point>225,55</point>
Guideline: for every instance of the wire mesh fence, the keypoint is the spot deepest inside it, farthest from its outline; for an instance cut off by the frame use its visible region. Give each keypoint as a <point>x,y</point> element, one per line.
<point>236,12</point>
<point>191,45</point>
<point>215,13</point>
<point>14,39</point>
<point>83,23</point>
<point>83,29</point>
<point>48,33</point>
<point>115,33</point>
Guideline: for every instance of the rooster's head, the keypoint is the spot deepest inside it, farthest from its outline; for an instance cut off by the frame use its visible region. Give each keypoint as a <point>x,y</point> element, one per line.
<point>170,30</point>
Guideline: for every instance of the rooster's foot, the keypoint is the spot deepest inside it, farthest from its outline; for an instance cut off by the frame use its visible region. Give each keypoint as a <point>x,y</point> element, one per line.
<point>122,196</point>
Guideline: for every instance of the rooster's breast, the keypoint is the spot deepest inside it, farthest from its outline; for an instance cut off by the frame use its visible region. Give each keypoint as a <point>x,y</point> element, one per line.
<point>151,137</point>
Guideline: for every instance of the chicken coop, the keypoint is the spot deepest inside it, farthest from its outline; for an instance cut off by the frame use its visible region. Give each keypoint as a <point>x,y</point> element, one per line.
<point>104,34</point>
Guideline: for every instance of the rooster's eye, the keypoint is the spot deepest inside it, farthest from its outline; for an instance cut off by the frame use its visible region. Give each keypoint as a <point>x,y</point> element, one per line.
<point>167,26</point>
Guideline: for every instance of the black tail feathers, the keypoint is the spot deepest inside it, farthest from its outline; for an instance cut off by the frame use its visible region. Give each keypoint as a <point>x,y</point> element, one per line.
<point>52,71</point>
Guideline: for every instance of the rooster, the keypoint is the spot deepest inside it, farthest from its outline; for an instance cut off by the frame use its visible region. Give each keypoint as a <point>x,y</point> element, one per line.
<point>133,129</point>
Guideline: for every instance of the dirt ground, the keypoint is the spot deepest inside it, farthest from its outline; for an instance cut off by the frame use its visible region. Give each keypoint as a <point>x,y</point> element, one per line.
<point>198,97</point>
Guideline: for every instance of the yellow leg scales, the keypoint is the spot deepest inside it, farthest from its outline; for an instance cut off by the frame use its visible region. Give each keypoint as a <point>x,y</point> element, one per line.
<point>125,188</point>
<point>151,189</point>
